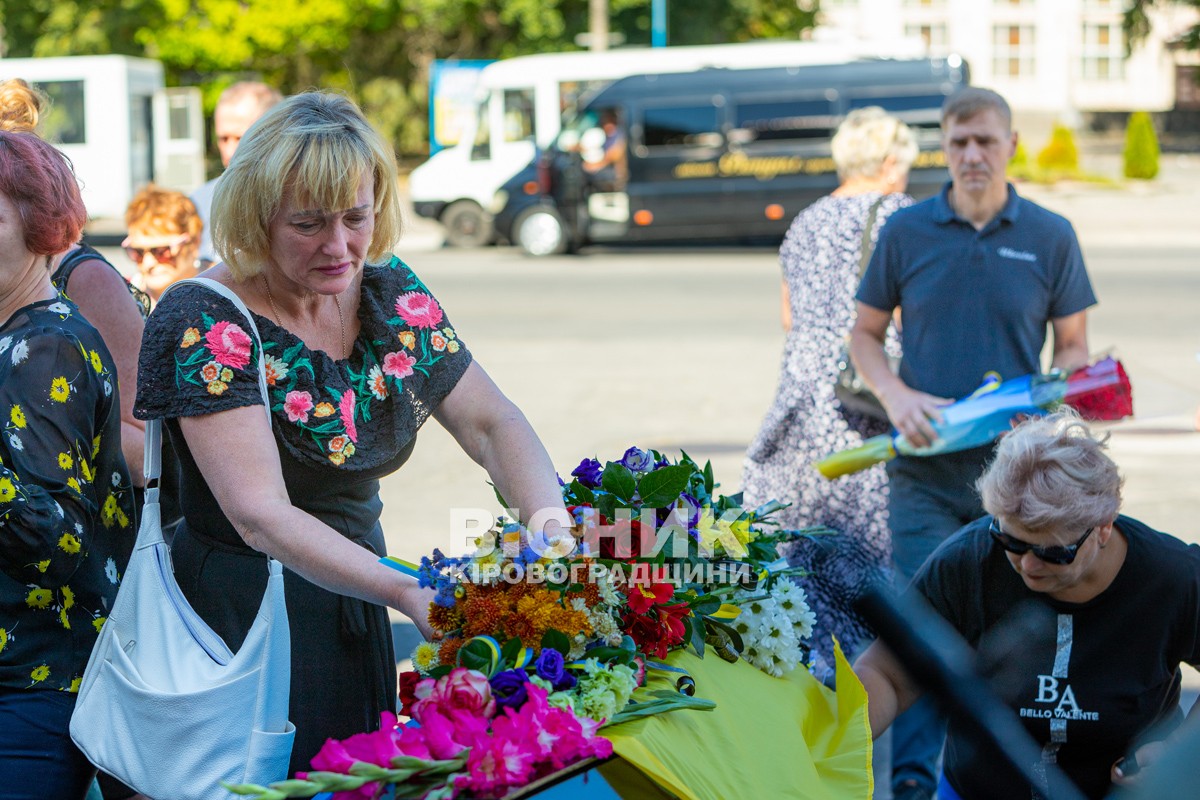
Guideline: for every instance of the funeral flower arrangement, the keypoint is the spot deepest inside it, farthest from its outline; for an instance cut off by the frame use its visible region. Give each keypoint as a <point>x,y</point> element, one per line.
<point>542,641</point>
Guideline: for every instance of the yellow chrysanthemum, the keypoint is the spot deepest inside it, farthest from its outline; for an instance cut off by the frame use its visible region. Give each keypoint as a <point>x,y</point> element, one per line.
<point>74,687</point>
<point>74,484</point>
<point>190,337</point>
<point>65,461</point>
<point>122,518</point>
<point>17,415</point>
<point>68,597</point>
<point>3,639</point>
<point>62,617</point>
<point>8,492</point>
<point>40,673</point>
<point>425,657</point>
<point>38,598</point>
<point>85,469</point>
<point>42,566</point>
<point>69,544</point>
<point>60,390</point>
<point>97,364</point>
<point>98,623</point>
<point>95,447</point>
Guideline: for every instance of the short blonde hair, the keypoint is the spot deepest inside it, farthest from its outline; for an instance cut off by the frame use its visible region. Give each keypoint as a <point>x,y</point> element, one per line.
<point>165,212</point>
<point>866,138</point>
<point>1050,474</point>
<point>315,144</point>
<point>21,106</point>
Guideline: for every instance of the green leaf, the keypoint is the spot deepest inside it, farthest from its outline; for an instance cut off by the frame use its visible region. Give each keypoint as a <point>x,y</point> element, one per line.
<point>733,635</point>
<point>499,497</point>
<point>606,504</point>
<point>511,651</point>
<point>662,487</point>
<point>613,655</point>
<point>695,634</point>
<point>556,640</point>
<point>708,477</point>
<point>581,494</point>
<point>478,656</point>
<point>618,480</point>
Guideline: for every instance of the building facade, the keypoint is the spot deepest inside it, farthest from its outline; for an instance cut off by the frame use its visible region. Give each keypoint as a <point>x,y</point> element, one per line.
<point>1061,59</point>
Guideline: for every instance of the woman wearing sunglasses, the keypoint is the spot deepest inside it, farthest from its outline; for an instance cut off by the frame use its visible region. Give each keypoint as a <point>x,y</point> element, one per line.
<point>1080,616</point>
<point>164,238</point>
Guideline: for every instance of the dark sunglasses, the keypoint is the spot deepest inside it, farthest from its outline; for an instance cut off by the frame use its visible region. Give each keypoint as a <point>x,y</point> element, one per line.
<point>1052,554</point>
<point>163,255</point>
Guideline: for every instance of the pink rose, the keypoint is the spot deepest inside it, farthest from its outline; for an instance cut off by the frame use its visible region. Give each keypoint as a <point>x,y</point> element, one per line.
<point>461,688</point>
<point>418,309</point>
<point>346,410</point>
<point>229,344</point>
<point>297,405</point>
<point>398,365</point>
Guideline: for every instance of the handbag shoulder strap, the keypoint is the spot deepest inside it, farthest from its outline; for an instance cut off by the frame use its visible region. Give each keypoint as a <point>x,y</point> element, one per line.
<point>153,452</point>
<point>865,250</point>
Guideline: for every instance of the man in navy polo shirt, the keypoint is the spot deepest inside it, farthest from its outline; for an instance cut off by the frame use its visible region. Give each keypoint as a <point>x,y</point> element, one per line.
<point>978,272</point>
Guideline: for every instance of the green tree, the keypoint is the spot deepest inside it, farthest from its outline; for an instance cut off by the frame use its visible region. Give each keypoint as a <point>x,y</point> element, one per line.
<point>1141,147</point>
<point>377,51</point>
<point>1137,21</point>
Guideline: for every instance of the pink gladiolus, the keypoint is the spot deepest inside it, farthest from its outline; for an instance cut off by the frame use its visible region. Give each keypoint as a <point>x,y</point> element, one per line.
<point>443,739</point>
<point>398,365</point>
<point>418,309</point>
<point>346,410</point>
<point>461,688</point>
<point>297,405</point>
<point>229,344</point>
<point>498,765</point>
<point>376,748</point>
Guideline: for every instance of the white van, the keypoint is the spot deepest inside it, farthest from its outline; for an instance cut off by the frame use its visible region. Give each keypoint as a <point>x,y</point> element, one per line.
<point>521,103</point>
<point>119,126</point>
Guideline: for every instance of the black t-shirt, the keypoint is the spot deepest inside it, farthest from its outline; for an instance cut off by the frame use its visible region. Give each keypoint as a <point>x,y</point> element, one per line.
<point>1086,679</point>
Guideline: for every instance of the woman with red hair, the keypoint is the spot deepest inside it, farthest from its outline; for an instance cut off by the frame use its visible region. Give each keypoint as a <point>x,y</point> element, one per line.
<point>67,517</point>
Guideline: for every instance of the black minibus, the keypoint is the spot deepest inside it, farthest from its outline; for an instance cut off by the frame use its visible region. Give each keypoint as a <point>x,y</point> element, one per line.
<point>720,154</point>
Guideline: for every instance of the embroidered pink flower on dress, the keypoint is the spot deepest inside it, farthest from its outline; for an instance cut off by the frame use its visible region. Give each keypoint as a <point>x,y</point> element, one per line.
<point>297,405</point>
<point>346,410</point>
<point>419,309</point>
<point>398,365</point>
<point>229,344</point>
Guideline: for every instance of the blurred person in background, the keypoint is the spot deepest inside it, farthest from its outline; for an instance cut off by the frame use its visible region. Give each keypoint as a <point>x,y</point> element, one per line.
<point>238,107</point>
<point>1079,616</point>
<point>67,515</point>
<point>822,258</point>
<point>164,238</point>
<point>1022,269</point>
<point>103,295</point>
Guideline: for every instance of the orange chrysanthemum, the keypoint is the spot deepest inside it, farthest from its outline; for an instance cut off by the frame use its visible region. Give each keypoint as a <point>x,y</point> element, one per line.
<point>445,618</point>
<point>448,652</point>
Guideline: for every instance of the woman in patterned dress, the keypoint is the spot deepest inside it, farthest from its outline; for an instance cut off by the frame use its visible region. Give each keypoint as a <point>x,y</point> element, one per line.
<point>821,258</point>
<point>358,354</point>
<point>67,517</point>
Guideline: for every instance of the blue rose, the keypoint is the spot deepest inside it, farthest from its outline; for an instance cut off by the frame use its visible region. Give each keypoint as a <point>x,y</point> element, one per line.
<point>588,472</point>
<point>550,665</point>
<point>508,688</point>
<point>636,460</point>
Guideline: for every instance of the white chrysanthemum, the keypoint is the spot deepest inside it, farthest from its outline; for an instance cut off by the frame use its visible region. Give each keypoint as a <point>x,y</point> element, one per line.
<point>116,479</point>
<point>425,657</point>
<point>20,352</point>
<point>608,592</point>
<point>4,343</point>
<point>59,308</point>
<point>14,442</point>
<point>768,633</point>
<point>604,626</point>
<point>110,571</point>
<point>794,602</point>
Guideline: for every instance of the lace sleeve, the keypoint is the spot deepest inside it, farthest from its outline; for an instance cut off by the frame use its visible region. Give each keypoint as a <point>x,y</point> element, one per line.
<point>197,358</point>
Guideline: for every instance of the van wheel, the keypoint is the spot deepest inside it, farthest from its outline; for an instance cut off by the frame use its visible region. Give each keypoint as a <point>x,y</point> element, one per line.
<point>467,225</point>
<point>540,232</point>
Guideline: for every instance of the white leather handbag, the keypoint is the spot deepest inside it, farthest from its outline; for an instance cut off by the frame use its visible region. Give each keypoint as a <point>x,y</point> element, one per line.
<point>164,705</point>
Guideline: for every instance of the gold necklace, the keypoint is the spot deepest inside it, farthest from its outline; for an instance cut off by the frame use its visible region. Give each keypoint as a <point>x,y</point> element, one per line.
<point>336,302</point>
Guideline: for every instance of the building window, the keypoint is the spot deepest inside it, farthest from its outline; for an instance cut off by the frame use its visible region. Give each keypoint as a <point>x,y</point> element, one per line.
<point>1103,52</point>
<point>1013,51</point>
<point>65,123</point>
<point>932,34</point>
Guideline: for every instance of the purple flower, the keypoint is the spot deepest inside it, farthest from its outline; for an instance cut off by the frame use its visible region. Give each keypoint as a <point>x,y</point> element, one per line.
<point>508,688</point>
<point>637,460</point>
<point>588,472</point>
<point>689,507</point>
<point>550,666</point>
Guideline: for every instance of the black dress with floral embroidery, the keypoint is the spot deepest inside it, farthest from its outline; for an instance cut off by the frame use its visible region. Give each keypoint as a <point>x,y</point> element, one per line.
<point>67,517</point>
<point>339,426</point>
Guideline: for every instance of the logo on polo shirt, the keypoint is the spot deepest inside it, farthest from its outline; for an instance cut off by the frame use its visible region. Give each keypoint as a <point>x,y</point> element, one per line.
<point>1019,255</point>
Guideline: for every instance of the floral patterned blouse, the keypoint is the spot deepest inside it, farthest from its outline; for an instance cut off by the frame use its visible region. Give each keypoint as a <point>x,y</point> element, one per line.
<point>354,415</point>
<point>67,518</point>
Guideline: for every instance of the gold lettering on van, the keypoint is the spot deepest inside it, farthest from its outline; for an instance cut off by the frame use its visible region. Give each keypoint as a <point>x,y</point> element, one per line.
<point>930,158</point>
<point>696,169</point>
<point>732,165</point>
